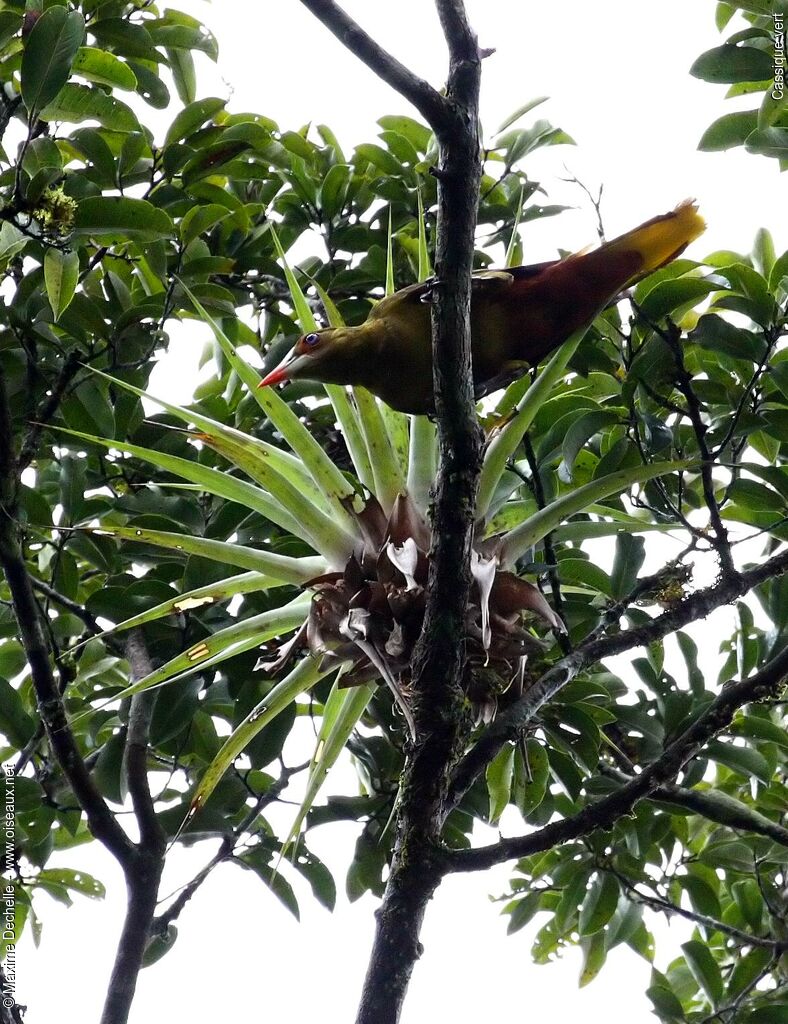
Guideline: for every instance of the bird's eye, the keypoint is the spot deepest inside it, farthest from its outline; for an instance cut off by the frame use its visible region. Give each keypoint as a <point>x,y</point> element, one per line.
<point>311,339</point>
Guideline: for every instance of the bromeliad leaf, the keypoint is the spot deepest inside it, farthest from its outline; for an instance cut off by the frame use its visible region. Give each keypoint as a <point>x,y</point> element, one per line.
<point>304,676</point>
<point>279,567</point>
<point>225,643</point>
<point>518,540</point>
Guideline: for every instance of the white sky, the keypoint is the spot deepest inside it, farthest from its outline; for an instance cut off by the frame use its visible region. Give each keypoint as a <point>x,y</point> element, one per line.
<point>617,74</point>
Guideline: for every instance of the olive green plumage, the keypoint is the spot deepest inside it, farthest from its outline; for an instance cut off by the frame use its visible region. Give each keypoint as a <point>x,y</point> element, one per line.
<point>518,316</point>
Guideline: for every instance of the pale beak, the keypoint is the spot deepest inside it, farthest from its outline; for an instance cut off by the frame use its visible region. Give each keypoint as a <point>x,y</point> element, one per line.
<point>286,370</point>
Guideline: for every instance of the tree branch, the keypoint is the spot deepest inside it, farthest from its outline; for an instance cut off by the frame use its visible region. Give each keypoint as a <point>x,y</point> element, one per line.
<point>225,852</point>
<point>510,725</point>
<point>428,101</point>
<point>100,819</point>
<point>135,756</point>
<point>143,873</point>
<point>438,666</point>
<point>66,602</point>
<point>605,812</point>
<point>716,806</point>
<point>711,924</point>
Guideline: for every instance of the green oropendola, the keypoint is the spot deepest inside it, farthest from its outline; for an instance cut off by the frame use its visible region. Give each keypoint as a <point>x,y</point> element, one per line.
<point>518,316</point>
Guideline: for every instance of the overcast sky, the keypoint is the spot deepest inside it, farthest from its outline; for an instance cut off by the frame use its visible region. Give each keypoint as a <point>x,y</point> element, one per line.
<point>616,72</point>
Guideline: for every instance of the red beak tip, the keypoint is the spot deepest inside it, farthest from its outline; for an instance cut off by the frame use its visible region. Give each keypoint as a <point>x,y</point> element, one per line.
<point>274,377</point>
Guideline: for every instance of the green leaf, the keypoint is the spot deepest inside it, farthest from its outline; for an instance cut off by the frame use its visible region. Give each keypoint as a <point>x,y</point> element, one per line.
<point>520,112</point>
<point>759,728</point>
<point>333,190</point>
<point>126,37</point>
<point>200,219</point>
<point>763,251</point>
<point>415,132</point>
<point>379,157</point>
<point>150,86</point>
<point>750,902</point>
<point>10,23</point>
<point>747,969</point>
<point>629,558</point>
<point>537,526</point>
<point>674,296</point>
<point>278,567</point>
<point>342,711</point>
<point>581,430</point>
<point>728,63</point>
<point>77,881</point>
<point>771,1013</point>
<point>704,969</point>
<point>750,494</point>
<point>183,74</point>
<point>702,897</point>
<point>212,593</point>
<point>183,37</point>
<point>532,774</point>
<point>211,159</point>
<point>305,674</point>
<point>424,268</point>
<point>15,723</point>
<point>12,241</point>
<point>744,760</point>
<point>120,219</point>
<point>666,1004</point>
<point>49,53</point>
<point>768,142</point>
<point>192,117</point>
<point>729,130</point>
<point>387,469</point>
<point>211,480</point>
<point>61,273</point>
<point>599,904</point>
<point>243,635</point>
<point>585,573</point>
<point>92,148</point>
<point>499,781</point>
<point>712,332</point>
<point>75,103</point>
<point>503,446</point>
<point>422,460</point>
<point>522,911</point>
<point>594,956</point>
<point>104,68</point>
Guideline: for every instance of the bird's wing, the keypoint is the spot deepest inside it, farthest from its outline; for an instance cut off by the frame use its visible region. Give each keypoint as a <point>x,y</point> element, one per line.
<point>485,285</point>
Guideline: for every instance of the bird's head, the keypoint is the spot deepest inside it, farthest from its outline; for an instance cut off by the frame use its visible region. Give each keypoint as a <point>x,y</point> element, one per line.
<point>324,356</point>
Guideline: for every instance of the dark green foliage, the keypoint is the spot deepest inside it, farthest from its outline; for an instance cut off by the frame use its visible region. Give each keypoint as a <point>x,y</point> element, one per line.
<point>752,62</point>
<point>104,222</point>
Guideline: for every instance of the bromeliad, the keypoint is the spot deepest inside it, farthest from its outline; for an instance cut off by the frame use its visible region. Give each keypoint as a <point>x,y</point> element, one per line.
<point>518,316</point>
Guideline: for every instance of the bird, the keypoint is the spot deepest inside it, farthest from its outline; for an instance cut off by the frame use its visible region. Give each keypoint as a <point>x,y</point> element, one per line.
<point>519,315</point>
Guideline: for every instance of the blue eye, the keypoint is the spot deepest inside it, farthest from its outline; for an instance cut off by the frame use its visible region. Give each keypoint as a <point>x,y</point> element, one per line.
<point>311,339</point>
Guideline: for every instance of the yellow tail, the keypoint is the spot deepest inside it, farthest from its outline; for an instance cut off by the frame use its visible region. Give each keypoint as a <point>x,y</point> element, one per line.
<point>662,238</point>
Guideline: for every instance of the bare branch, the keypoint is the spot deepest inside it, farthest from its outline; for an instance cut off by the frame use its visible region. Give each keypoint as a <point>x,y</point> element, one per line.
<point>143,873</point>
<point>605,812</point>
<point>135,756</point>
<point>421,94</point>
<point>225,852</point>
<point>711,924</point>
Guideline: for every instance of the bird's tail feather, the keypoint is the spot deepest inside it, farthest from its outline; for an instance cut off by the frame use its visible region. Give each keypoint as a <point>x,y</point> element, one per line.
<point>660,239</point>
